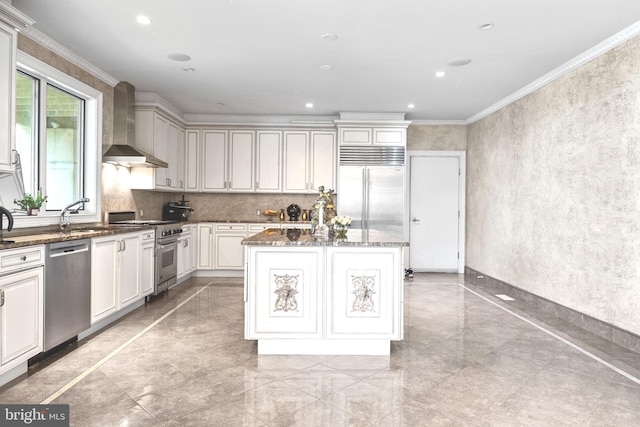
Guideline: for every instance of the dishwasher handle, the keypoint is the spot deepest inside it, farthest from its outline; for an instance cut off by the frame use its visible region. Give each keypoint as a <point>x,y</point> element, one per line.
<point>69,250</point>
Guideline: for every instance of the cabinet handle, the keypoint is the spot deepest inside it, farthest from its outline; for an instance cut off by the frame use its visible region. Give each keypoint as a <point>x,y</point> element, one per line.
<point>23,258</point>
<point>1,297</point>
<point>14,155</point>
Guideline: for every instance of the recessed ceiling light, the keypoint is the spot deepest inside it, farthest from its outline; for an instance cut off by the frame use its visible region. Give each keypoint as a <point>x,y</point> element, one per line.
<point>411,106</point>
<point>440,74</point>
<point>188,69</point>
<point>181,57</point>
<point>326,67</point>
<point>457,62</point>
<point>143,20</point>
<point>486,26</point>
<point>329,37</point>
<point>309,105</point>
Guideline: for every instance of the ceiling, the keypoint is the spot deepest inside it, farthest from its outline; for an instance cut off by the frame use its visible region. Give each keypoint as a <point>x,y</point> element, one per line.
<point>259,57</point>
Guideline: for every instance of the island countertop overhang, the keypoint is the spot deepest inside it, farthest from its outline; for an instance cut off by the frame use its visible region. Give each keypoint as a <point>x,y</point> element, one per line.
<point>304,237</point>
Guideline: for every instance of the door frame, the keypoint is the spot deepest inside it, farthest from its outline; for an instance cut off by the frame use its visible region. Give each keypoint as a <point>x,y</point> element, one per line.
<point>462,159</point>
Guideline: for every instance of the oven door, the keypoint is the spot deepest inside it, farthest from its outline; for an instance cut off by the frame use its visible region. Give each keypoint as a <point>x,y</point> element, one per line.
<point>166,264</point>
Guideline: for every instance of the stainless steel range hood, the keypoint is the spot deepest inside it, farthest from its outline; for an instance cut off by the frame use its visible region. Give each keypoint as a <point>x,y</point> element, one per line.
<point>123,151</point>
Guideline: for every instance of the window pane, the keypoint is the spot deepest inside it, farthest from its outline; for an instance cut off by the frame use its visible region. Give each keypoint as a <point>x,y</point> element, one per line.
<point>27,129</point>
<point>63,148</point>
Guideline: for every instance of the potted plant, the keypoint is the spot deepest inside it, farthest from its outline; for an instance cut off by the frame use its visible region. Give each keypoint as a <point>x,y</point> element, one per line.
<point>31,204</point>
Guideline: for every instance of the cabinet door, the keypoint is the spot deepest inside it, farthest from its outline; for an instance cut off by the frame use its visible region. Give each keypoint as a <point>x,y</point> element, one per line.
<point>284,295</point>
<point>241,164</point>
<point>363,288</point>
<point>103,277</point>
<point>229,250</point>
<point>128,269</point>
<point>183,256</point>
<point>214,155</point>
<point>268,161</point>
<point>192,162</point>
<point>355,136</point>
<point>323,160</point>
<point>8,39</point>
<point>147,268</point>
<point>21,321</point>
<point>205,246</point>
<point>296,154</point>
<point>391,136</point>
<point>160,136</point>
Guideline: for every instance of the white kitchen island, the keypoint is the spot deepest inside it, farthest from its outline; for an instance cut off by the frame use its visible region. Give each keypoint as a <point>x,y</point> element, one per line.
<point>336,296</point>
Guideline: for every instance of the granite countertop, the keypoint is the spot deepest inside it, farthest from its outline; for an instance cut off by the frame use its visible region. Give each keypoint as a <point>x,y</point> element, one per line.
<point>21,238</point>
<point>303,237</point>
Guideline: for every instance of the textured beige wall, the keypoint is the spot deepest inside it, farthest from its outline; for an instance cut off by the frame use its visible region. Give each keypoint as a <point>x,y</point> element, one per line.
<point>437,137</point>
<point>553,200</point>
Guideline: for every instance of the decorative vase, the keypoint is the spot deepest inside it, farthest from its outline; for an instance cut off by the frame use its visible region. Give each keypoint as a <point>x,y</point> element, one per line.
<point>341,231</point>
<point>32,211</point>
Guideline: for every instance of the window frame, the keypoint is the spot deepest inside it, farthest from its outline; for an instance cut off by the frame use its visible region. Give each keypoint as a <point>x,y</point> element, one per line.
<point>92,149</point>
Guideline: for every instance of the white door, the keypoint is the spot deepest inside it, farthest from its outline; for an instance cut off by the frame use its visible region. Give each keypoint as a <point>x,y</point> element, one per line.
<point>434,213</point>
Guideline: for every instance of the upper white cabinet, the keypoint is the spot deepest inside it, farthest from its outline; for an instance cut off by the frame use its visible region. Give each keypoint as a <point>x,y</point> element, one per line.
<point>227,161</point>
<point>158,135</point>
<point>268,161</point>
<point>296,162</point>
<point>263,160</point>
<point>10,19</point>
<point>8,39</point>
<point>373,135</point>
<point>310,160</point>
<point>323,160</point>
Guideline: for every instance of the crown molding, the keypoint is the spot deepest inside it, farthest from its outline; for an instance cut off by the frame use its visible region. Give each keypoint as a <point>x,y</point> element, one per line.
<point>438,122</point>
<point>590,54</point>
<point>14,17</point>
<point>69,55</point>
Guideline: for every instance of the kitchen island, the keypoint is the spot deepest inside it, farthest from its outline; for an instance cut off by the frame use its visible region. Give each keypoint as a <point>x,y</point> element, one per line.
<point>323,296</point>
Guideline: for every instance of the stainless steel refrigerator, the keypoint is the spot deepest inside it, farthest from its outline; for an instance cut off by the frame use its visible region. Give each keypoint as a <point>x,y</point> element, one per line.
<point>371,183</point>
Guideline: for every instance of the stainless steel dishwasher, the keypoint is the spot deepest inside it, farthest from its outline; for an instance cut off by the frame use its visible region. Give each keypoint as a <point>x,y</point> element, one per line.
<point>67,291</point>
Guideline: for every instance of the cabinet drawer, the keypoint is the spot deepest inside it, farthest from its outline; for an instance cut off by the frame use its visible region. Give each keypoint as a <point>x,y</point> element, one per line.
<point>231,227</point>
<point>149,235</point>
<point>19,259</point>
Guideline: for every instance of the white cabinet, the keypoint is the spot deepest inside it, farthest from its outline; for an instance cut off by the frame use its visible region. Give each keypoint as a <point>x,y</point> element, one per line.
<point>158,135</point>
<point>115,273</point>
<point>229,253</point>
<point>310,161</point>
<point>228,161</point>
<point>205,246</point>
<point>323,159</point>
<point>296,161</point>
<point>147,262</point>
<point>324,299</point>
<point>21,305</point>
<point>192,161</point>
<point>186,251</point>
<point>268,161</point>
<point>284,294</point>
<point>264,161</point>
<point>8,38</point>
<point>373,136</point>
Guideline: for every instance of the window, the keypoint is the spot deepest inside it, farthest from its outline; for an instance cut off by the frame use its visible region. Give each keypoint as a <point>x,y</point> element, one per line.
<point>58,138</point>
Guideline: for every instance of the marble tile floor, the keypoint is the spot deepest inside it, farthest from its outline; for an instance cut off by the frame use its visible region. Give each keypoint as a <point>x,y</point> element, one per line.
<point>468,359</point>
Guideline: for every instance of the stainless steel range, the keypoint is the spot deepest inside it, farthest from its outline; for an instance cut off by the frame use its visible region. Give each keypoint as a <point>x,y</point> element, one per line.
<point>166,246</point>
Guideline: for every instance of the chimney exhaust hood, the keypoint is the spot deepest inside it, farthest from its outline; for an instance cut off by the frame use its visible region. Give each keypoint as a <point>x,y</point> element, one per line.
<point>123,151</point>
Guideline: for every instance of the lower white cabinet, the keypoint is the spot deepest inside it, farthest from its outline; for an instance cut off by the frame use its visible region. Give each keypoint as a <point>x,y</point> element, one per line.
<point>205,246</point>
<point>147,262</point>
<point>21,317</point>
<point>229,253</point>
<point>115,279</point>
<point>186,251</point>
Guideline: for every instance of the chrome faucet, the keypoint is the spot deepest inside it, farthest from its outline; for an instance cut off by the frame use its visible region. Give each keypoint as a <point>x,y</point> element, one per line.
<point>64,220</point>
